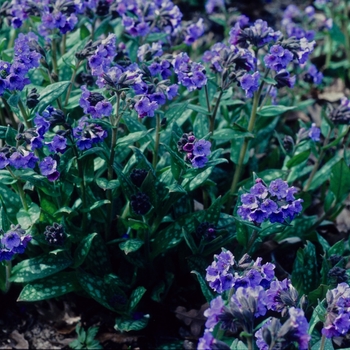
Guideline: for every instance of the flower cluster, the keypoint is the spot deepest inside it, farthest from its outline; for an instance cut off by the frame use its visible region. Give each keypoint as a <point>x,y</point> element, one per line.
<point>190,74</point>
<point>95,104</point>
<point>225,273</point>
<point>293,330</point>
<point>140,203</point>
<point>13,76</point>
<point>87,134</point>
<point>259,34</point>
<point>13,242</point>
<point>337,321</point>
<point>56,16</point>
<point>341,114</point>
<point>55,235</point>
<point>275,202</point>
<point>197,151</point>
<point>19,158</point>
<point>254,291</point>
<point>141,18</point>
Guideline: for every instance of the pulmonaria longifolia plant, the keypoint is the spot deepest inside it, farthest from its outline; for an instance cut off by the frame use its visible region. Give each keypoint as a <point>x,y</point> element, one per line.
<point>133,147</point>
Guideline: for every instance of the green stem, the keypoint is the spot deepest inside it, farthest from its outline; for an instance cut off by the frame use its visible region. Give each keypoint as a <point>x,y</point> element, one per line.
<point>252,239</point>
<point>345,22</point>
<point>244,148</point>
<point>8,268</point>
<point>329,52</point>
<point>54,56</point>
<point>323,342</point>
<point>215,111</point>
<point>317,163</point>
<point>72,82</point>
<point>156,146</point>
<point>24,113</point>
<point>64,43</point>
<point>114,122</point>
<point>250,343</point>
<point>147,245</point>
<point>82,184</point>
<point>20,190</point>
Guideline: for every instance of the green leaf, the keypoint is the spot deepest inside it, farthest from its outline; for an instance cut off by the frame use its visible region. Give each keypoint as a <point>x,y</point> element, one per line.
<point>318,294</point>
<point>10,136</point>
<point>28,218</point>
<point>190,241</point>
<point>337,249</point>
<point>230,134</point>
<point>175,111</point>
<point>200,178</point>
<point>40,267</point>
<point>336,34</point>
<point>51,93</point>
<point>131,138</point>
<point>131,245</point>
<point>96,205</point>
<point>107,185</point>
<point>3,277</point>
<point>198,109</point>
<point>298,158</point>
<point>273,111</point>
<point>328,345</point>
<point>135,297</point>
<point>238,345</point>
<point>340,180</point>
<point>83,249</point>
<point>208,294</point>
<point>127,325</point>
<point>69,57</point>
<point>52,287</point>
<point>212,215</point>
<point>324,173</point>
<point>200,126</point>
<point>106,294</point>
<point>242,233</point>
<point>98,258</point>
<point>305,274</point>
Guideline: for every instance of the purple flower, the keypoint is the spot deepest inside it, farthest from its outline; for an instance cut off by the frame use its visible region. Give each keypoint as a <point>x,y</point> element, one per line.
<point>58,144</point>
<point>201,148</point>
<point>337,321</point>
<point>250,83</point>
<point>314,133</point>
<point>13,242</point>
<point>213,313</point>
<point>194,31</point>
<point>199,161</point>
<point>206,341</point>
<point>87,134</point>
<point>48,168</point>
<point>313,75</point>
<point>283,79</point>
<point>212,5</point>
<point>278,188</point>
<point>145,108</point>
<point>276,203</point>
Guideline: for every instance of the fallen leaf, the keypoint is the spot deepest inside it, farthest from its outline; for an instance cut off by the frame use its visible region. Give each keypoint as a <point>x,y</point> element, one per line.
<point>22,343</point>
<point>193,318</point>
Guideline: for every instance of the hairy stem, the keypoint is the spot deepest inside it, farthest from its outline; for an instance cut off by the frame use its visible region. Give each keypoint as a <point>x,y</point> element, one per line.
<point>156,145</point>
<point>8,268</point>
<point>20,190</point>
<point>244,148</point>
<point>24,113</point>
<point>114,122</point>
<point>215,111</point>
<point>71,82</point>
<point>317,163</point>
<point>54,56</point>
